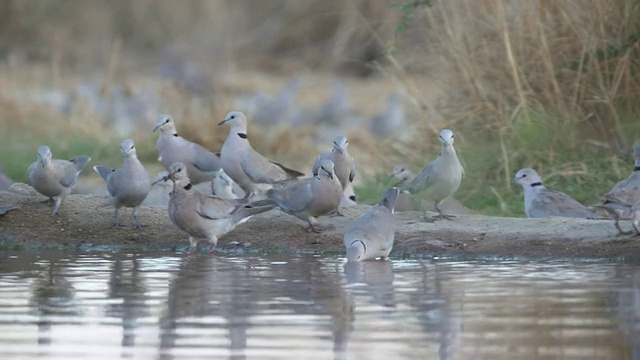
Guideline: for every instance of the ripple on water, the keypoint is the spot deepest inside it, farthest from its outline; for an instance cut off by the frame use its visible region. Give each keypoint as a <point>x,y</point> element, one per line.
<point>61,305</point>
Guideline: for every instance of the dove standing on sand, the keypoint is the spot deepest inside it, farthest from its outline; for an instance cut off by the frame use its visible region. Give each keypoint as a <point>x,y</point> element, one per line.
<point>201,163</point>
<point>620,200</point>
<point>372,234</point>
<point>253,172</point>
<point>203,216</point>
<point>540,202</point>
<point>128,185</point>
<point>309,198</point>
<point>54,177</point>
<point>440,178</point>
<point>344,165</point>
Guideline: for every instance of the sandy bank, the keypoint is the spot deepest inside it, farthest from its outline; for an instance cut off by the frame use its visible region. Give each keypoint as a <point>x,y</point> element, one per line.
<point>85,220</point>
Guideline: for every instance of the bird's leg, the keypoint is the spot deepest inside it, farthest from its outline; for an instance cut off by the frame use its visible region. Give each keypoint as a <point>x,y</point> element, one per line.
<point>194,244</point>
<point>48,201</point>
<point>136,223</point>
<point>116,220</point>
<point>314,226</point>
<point>56,207</point>
<point>336,212</point>
<point>620,231</point>
<point>213,242</point>
<point>442,215</point>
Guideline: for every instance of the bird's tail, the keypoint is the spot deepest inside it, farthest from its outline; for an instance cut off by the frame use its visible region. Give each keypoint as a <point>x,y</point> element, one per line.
<point>245,211</point>
<point>103,171</point>
<point>80,162</point>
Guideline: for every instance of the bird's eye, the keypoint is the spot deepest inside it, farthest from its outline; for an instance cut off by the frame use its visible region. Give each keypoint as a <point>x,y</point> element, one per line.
<point>132,146</point>
<point>233,116</point>
<point>524,175</point>
<point>166,121</point>
<point>179,169</point>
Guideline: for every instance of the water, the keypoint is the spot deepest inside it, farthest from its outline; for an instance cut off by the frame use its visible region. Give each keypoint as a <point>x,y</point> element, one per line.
<point>166,306</point>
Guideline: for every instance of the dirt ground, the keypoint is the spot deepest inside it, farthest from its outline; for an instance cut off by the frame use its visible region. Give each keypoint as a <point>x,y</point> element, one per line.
<point>85,220</point>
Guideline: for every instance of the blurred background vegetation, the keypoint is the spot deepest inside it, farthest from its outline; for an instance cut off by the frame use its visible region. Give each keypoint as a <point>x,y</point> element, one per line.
<point>552,85</point>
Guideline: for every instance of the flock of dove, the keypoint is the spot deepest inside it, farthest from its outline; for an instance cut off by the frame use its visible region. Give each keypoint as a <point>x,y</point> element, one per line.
<point>268,184</point>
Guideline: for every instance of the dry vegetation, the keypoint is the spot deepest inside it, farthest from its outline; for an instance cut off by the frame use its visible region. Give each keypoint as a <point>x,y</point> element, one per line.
<point>544,84</point>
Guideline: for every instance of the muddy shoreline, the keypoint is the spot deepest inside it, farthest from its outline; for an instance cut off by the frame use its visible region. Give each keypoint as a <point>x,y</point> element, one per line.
<point>86,221</point>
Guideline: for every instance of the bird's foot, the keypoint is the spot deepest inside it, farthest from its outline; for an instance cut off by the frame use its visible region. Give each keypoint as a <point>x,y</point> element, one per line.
<point>192,250</point>
<point>212,249</point>
<point>438,217</point>
<point>337,212</point>
<point>139,225</point>
<point>117,225</point>
<point>319,228</point>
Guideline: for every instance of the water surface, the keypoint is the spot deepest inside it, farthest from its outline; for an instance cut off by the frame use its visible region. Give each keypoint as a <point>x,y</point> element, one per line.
<point>61,305</point>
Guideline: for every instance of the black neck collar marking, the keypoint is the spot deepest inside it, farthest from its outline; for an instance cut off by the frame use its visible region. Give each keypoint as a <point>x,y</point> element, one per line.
<point>360,241</point>
<point>636,168</point>
<point>188,187</point>
<point>175,134</point>
<point>539,183</point>
<point>242,135</point>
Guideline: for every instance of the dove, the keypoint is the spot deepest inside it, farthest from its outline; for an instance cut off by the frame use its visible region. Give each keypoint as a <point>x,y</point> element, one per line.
<point>440,178</point>
<point>371,235</point>
<point>541,202</point>
<point>344,165</point>
<point>405,202</point>
<point>128,185</point>
<point>222,186</point>
<point>205,216</point>
<point>54,177</point>
<point>309,198</point>
<point>201,163</point>
<point>253,172</point>
<point>626,192</point>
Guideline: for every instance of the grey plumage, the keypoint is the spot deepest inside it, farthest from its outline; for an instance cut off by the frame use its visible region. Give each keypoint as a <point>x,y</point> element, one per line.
<point>402,174</point>
<point>344,165</point>
<point>253,172</point>
<point>222,186</point>
<point>440,178</point>
<point>541,202</point>
<point>201,163</point>
<point>622,201</point>
<point>54,177</point>
<point>311,197</point>
<point>203,216</point>
<point>6,208</point>
<point>128,185</point>
<point>372,234</point>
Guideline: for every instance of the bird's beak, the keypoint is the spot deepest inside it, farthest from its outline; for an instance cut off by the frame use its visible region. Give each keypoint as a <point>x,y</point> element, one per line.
<point>224,121</point>
<point>514,180</point>
<point>165,178</point>
<point>159,181</point>
<point>338,147</point>
<point>157,127</point>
